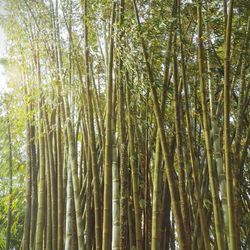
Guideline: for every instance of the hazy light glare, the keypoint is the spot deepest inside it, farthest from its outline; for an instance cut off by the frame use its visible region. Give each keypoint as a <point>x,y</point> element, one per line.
<point>3,78</point>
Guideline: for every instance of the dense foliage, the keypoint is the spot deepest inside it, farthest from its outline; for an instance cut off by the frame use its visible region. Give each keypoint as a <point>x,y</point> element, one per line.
<point>126,125</point>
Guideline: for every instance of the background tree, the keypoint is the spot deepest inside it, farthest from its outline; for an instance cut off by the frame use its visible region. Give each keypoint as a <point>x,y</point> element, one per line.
<point>129,122</point>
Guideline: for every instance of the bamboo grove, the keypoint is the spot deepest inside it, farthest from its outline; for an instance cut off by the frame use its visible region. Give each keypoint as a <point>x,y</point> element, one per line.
<point>133,121</point>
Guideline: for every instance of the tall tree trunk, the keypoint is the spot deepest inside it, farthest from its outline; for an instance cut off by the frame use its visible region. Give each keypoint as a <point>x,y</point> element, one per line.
<point>41,191</point>
<point>49,223</point>
<point>213,187</point>
<point>9,216</point>
<point>74,170</point>
<point>158,180</point>
<point>216,138</point>
<point>52,178</point>
<point>60,202</point>
<point>92,138</point>
<point>34,175</point>
<point>107,208</point>
<point>227,143</point>
<point>27,222</point>
<point>69,203</point>
<point>88,201</point>
<point>42,181</point>
<point>122,141</point>
<point>134,171</point>
<point>179,148</point>
<point>115,190</point>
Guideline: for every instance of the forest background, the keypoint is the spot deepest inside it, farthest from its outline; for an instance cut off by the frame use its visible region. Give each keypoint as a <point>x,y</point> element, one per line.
<point>124,124</point>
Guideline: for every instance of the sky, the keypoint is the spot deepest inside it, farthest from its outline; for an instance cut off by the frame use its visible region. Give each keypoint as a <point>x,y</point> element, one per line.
<point>3,78</point>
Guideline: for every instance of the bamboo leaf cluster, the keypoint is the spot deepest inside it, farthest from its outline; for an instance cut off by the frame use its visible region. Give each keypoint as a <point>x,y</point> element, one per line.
<point>126,125</point>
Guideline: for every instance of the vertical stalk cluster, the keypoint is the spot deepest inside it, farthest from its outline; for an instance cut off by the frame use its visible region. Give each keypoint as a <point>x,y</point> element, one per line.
<point>136,125</point>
